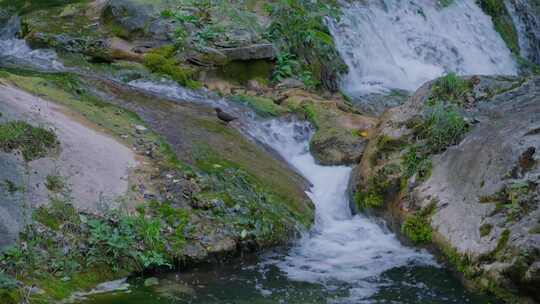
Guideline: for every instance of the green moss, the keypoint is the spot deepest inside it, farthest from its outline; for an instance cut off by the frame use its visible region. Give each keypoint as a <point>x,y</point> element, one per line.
<point>32,142</point>
<point>243,71</point>
<point>264,107</point>
<point>160,61</point>
<point>485,229</point>
<point>535,229</point>
<point>57,213</point>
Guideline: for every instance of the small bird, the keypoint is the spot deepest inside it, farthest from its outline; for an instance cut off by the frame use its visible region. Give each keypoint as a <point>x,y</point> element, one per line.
<point>225,117</point>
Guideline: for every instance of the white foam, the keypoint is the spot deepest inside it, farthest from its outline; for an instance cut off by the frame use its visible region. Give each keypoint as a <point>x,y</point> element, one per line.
<point>402,44</point>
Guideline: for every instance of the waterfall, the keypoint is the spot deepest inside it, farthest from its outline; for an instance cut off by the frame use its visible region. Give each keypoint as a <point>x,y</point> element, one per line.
<point>340,248</point>
<point>392,44</point>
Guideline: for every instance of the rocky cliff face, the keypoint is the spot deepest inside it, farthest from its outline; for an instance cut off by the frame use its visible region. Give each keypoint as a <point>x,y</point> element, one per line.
<point>526,18</point>
<point>477,198</point>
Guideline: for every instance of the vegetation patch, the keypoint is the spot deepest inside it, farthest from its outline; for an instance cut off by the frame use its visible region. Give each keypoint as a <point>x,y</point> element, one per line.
<point>417,226</point>
<point>306,46</point>
<point>161,61</point>
<point>32,142</point>
<point>65,251</point>
<point>502,22</point>
<point>54,183</point>
<point>485,229</point>
<point>450,88</point>
<point>376,189</point>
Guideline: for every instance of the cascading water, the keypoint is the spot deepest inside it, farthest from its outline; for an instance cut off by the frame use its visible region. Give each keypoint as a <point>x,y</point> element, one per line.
<point>392,44</point>
<point>343,259</point>
<point>341,248</point>
<point>14,51</point>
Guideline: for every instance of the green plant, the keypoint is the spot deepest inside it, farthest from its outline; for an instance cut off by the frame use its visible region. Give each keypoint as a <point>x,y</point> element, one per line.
<point>417,229</point>
<point>417,226</point>
<point>32,142</point>
<point>284,67</point>
<point>10,186</point>
<point>54,183</point>
<point>502,22</point>
<point>485,229</point>
<point>450,88</point>
<point>445,3</point>
<point>443,126</point>
<point>414,162</point>
<point>298,28</point>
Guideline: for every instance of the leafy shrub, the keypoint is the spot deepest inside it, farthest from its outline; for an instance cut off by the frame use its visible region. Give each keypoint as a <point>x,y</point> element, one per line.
<point>284,67</point>
<point>417,229</point>
<point>299,28</point>
<point>32,142</point>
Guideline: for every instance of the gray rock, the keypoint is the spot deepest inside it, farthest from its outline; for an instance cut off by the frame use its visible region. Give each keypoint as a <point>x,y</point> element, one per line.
<point>132,17</point>
<point>250,52</point>
<point>375,104</point>
<point>474,183</point>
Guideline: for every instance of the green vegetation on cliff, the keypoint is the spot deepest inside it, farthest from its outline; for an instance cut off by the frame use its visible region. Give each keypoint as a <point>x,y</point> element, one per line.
<point>299,31</point>
<point>502,22</point>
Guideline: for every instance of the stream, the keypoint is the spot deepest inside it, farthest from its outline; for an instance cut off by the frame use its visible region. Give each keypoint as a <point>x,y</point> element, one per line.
<point>344,258</point>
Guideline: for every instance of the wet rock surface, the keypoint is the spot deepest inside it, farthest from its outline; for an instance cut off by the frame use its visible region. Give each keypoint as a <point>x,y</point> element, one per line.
<point>483,192</point>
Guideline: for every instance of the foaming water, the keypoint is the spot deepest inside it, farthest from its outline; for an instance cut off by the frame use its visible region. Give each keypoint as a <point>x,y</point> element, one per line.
<point>391,44</point>
<point>340,248</point>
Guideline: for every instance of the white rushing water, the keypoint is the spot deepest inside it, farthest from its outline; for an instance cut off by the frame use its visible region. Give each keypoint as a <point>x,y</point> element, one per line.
<point>340,248</point>
<point>402,44</point>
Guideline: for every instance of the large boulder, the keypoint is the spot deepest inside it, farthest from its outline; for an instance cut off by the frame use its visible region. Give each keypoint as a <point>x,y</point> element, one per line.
<point>481,197</point>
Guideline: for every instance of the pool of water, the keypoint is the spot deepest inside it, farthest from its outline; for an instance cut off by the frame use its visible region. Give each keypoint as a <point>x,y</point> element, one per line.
<point>257,280</point>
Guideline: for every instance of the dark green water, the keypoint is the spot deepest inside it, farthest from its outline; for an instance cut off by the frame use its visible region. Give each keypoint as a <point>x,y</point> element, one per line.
<point>258,282</point>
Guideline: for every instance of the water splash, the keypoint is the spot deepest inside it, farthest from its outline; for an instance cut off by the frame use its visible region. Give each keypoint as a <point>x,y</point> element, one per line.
<point>402,44</point>
<point>340,248</point>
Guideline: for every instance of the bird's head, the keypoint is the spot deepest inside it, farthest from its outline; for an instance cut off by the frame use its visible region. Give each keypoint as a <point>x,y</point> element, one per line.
<point>218,110</point>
